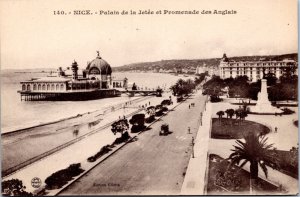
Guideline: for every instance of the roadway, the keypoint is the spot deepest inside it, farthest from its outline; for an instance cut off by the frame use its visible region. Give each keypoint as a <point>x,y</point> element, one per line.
<point>152,164</point>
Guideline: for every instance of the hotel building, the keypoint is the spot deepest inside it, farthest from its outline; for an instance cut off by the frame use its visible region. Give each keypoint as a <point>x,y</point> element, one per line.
<point>254,70</point>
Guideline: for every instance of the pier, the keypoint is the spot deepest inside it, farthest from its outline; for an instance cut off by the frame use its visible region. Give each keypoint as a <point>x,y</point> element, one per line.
<point>141,92</point>
<point>81,94</point>
<point>71,95</point>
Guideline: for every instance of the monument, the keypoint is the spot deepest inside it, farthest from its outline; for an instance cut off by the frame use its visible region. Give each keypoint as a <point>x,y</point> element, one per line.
<point>263,104</point>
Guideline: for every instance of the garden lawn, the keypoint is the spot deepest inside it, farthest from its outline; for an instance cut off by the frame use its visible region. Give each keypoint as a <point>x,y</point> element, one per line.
<point>288,162</point>
<point>235,129</point>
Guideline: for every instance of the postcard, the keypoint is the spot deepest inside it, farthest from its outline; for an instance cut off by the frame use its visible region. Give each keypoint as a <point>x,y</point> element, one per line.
<point>143,97</point>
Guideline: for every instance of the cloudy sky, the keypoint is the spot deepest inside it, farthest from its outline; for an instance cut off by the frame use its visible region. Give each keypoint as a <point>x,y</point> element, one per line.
<point>33,37</point>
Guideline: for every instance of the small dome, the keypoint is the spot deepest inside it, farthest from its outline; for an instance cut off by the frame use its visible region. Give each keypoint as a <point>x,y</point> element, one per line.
<point>74,65</point>
<point>99,66</point>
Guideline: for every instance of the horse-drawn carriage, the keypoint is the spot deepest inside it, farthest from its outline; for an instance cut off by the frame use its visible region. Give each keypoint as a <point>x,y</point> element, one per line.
<point>164,129</point>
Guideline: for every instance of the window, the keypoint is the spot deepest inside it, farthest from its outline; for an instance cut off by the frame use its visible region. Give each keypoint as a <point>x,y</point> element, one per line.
<point>28,87</point>
<point>62,87</point>
<point>48,87</point>
<point>44,87</point>
<point>34,86</point>
<point>23,87</point>
<point>39,87</point>
<point>52,87</point>
<point>57,87</point>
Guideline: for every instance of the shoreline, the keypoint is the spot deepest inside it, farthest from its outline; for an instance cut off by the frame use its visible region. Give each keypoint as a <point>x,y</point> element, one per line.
<point>23,129</point>
<point>64,140</point>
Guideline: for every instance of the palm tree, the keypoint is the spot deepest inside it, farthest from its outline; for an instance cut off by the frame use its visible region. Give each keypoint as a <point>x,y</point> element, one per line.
<point>239,114</point>
<point>230,113</point>
<point>220,114</point>
<point>256,151</point>
<point>243,115</point>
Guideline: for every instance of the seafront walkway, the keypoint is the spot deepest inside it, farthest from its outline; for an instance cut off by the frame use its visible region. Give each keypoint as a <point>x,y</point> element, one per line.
<point>41,139</point>
<point>283,139</point>
<point>45,139</point>
<point>195,178</point>
<point>150,164</point>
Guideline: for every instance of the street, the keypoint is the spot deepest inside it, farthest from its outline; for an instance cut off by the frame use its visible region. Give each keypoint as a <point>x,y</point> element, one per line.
<point>152,164</point>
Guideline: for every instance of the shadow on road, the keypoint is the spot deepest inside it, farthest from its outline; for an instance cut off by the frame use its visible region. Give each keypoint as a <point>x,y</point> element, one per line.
<point>133,140</point>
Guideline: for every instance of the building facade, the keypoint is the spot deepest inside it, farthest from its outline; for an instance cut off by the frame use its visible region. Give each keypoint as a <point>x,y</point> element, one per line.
<point>254,70</point>
<point>97,75</point>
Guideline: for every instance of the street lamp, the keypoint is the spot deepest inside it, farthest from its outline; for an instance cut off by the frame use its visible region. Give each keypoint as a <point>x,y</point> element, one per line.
<point>193,143</point>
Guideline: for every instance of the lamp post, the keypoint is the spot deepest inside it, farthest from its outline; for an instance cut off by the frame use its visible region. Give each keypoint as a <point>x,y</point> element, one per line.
<point>193,143</point>
<point>201,118</point>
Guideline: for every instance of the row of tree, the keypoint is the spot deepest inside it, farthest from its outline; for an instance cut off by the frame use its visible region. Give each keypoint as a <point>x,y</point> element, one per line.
<point>138,121</point>
<point>185,87</point>
<point>240,113</point>
<point>284,89</point>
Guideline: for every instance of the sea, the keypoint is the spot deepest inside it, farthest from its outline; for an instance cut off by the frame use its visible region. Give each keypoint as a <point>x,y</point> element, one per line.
<point>17,114</point>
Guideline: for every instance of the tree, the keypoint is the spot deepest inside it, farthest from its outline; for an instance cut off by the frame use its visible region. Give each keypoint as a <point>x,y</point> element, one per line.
<point>243,115</point>
<point>271,79</point>
<point>230,113</point>
<point>158,110</point>
<point>183,87</point>
<point>220,114</point>
<point>288,72</point>
<point>120,126</point>
<point>256,151</point>
<point>137,122</point>
<point>14,187</point>
<point>151,114</point>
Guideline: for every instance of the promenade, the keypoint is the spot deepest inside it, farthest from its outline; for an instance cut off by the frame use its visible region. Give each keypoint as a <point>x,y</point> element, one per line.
<point>43,139</point>
<point>89,143</point>
<point>151,164</point>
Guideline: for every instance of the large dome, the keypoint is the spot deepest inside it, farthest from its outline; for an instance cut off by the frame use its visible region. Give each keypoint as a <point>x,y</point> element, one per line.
<point>99,66</point>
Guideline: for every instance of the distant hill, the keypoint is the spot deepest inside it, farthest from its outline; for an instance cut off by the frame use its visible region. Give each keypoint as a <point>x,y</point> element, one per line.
<point>192,64</point>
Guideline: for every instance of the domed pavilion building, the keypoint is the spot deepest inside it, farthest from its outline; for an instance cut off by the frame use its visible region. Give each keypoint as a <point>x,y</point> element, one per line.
<point>99,70</point>
<point>75,84</point>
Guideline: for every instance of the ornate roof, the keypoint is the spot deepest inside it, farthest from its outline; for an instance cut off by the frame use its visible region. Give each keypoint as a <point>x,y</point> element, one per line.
<point>99,65</point>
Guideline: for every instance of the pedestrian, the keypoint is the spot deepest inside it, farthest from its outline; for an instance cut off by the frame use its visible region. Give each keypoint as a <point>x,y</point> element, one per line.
<point>149,102</point>
<point>189,130</point>
<point>189,106</point>
<point>124,117</point>
<point>276,129</point>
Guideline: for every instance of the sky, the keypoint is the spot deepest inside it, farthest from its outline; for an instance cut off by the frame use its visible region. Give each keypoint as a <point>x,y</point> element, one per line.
<point>31,36</point>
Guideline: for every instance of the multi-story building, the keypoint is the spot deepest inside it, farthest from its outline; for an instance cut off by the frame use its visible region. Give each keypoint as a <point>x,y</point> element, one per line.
<point>254,70</point>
